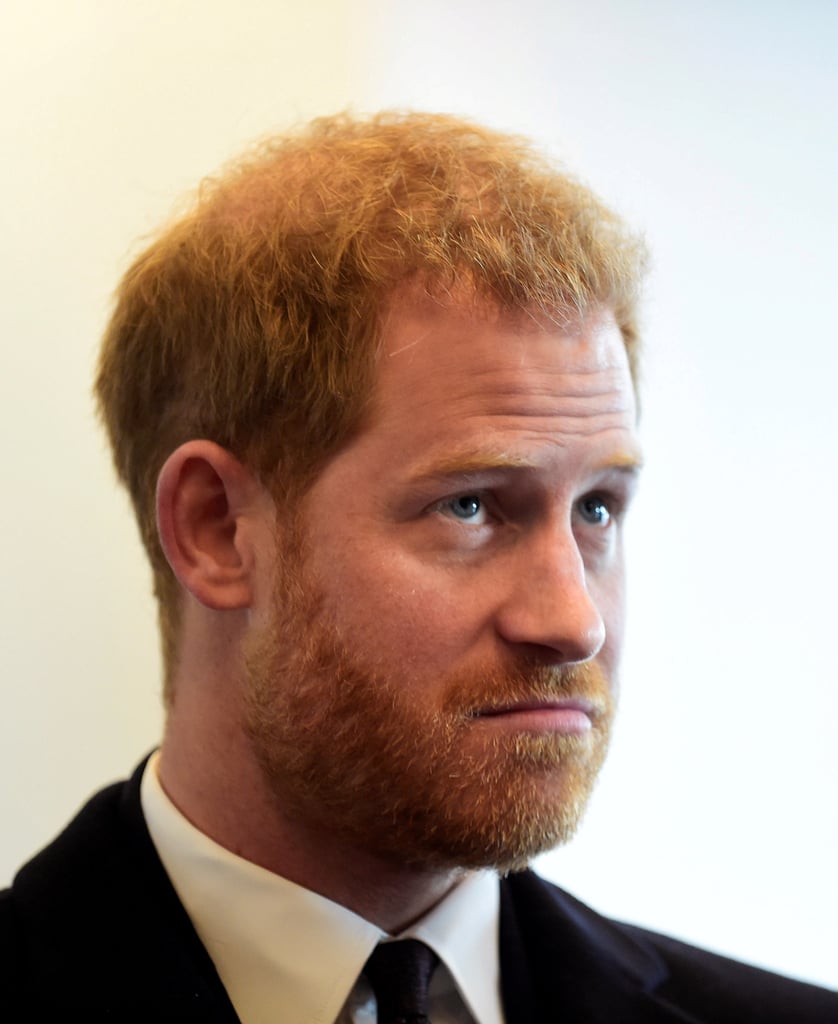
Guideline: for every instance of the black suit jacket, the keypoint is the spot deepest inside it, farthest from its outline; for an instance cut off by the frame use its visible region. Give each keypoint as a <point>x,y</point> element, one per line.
<point>92,929</point>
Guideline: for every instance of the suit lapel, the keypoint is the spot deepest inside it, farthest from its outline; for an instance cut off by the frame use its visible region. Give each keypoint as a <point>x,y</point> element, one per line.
<point>561,961</point>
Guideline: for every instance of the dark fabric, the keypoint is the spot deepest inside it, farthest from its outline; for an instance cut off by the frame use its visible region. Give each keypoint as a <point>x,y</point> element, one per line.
<point>561,961</point>
<point>92,928</point>
<point>400,973</point>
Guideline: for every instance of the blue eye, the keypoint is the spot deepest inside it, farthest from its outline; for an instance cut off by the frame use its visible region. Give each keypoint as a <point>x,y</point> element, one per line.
<point>466,506</point>
<point>595,510</point>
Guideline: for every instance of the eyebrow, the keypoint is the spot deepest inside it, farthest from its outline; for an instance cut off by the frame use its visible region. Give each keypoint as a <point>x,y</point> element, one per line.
<point>469,462</point>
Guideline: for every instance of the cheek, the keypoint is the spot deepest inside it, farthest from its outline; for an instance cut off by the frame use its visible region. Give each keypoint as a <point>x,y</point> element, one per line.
<point>398,608</point>
<point>609,597</point>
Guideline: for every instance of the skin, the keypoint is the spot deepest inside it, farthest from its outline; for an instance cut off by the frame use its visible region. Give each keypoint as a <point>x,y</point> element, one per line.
<point>474,520</point>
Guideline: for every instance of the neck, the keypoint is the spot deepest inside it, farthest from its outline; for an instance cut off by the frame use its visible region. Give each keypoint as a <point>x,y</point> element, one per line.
<point>208,771</point>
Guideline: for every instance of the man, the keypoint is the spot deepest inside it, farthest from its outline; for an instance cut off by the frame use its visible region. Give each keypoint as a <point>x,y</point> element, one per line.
<point>372,397</point>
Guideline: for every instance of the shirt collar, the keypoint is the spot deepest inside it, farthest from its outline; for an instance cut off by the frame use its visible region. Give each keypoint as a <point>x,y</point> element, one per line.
<point>275,943</point>
<point>462,929</point>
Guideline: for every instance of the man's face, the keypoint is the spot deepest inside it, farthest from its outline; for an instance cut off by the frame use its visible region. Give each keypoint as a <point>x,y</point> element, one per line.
<point>436,679</point>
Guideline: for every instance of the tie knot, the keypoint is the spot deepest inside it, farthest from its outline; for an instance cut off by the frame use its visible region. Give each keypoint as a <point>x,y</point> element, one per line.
<point>400,973</point>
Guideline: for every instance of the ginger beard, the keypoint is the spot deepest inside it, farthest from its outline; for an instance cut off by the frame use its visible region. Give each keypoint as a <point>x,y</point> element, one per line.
<point>358,747</point>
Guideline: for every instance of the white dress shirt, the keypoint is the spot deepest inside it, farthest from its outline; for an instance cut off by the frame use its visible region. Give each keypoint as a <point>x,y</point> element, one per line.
<point>285,953</point>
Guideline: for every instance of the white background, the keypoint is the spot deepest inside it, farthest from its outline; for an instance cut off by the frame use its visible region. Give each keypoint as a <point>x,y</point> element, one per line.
<point>712,127</point>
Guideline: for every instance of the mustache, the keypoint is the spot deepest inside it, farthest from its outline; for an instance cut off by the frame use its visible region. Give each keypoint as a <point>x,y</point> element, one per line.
<point>495,689</point>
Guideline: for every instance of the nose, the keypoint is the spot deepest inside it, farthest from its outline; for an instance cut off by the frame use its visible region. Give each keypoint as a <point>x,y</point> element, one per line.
<point>548,608</point>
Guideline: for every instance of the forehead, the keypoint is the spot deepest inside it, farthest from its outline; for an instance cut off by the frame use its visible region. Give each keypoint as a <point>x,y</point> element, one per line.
<point>452,360</point>
<point>466,399</point>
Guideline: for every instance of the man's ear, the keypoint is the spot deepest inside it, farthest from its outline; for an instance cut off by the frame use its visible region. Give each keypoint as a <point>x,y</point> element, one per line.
<point>207,509</point>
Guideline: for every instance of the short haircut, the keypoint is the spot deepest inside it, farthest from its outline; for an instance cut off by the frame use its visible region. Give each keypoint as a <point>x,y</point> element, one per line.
<point>253,320</point>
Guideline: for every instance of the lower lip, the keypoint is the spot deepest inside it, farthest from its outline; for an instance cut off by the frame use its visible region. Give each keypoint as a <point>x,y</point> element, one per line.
<point>566,721</point>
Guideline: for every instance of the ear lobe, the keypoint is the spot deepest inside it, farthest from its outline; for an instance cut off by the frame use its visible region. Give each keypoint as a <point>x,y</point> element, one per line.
<point>203,496</point>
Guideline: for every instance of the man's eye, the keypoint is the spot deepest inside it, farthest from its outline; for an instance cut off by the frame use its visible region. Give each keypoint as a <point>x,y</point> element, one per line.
<point>595,510</point>
<point>468,507</point>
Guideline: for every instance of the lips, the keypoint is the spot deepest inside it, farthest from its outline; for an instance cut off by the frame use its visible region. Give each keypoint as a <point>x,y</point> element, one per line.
<point>565,716</point>
<point>570,704</point>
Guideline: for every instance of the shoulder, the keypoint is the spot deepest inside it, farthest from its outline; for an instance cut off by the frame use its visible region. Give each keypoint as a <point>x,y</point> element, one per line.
<point>52,910</point>
<point>669,973</point>
<point>713,980</point>
<point>92,921</point>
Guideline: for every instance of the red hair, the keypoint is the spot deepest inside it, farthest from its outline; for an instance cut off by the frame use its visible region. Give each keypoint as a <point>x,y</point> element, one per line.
<point>253,319</point>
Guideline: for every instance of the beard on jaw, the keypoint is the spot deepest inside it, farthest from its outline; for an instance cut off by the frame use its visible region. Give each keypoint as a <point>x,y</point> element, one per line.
<point>358,748</point>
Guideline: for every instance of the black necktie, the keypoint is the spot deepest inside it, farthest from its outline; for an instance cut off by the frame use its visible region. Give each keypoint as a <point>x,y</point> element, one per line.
<point>399,973</point>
